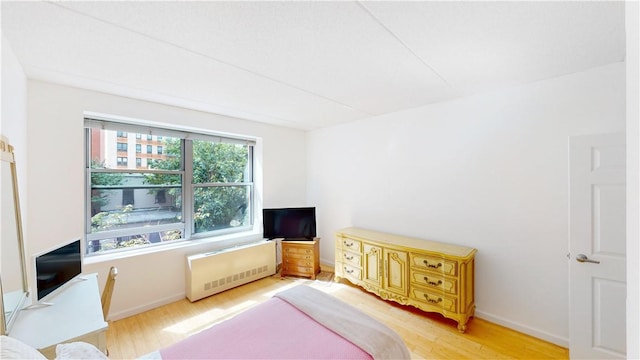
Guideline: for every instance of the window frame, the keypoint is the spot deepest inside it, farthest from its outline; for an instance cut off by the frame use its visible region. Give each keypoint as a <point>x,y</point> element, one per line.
<point>186,226</point>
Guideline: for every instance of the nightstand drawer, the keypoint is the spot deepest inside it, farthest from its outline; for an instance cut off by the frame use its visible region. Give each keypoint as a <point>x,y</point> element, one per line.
<point>437,264</point>
<point>297,250</point>
<point>297,269</point>
<point>288,255</point>
<point>300,262</point>
<point>436,282</point>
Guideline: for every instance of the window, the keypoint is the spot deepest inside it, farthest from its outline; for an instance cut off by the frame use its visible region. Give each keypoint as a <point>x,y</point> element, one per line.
<point>149,149</point>
<point>149,137</point>
<point>122,134</point>
<point>200,186</point>
<point>127,197</point>
<point>138,148</point>
<point>122,146</point>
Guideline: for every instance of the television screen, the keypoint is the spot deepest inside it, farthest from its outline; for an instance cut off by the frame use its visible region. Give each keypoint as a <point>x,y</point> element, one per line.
<point>57,267</point>
<point>290,223</point>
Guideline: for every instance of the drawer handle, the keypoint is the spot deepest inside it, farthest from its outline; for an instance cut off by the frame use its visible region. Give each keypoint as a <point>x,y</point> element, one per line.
<point>348,271</point>
<point>347,245</point>
<point>348,257</point>
<point>432,266</point>
<point>433,301</point>
<point>432,283</point>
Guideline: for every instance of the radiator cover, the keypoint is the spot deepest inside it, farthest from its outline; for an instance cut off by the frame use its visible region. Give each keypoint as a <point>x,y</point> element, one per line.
<point>216,271</point>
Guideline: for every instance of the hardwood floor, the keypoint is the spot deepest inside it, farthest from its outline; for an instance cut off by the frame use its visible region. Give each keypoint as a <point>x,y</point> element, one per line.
<point>428,336</point>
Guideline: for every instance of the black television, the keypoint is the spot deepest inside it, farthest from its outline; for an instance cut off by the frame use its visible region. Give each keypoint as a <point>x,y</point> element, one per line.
<point>289,223</point>
<point>56,268</point>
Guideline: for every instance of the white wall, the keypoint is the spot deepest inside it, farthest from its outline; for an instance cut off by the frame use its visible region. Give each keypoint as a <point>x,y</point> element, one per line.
<point>632,23</point>
<point>488,171</point>
<point>56,183</point>
<point>13,123</point>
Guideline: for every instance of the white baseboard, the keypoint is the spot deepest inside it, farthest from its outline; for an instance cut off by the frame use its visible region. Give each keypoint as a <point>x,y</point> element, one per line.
<point>146,307</point>
<point>537,333</point>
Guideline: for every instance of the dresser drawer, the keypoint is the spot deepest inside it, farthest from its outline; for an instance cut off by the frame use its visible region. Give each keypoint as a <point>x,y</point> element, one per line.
<point>350,244</point>
<point>433,263</point>
<point>435,299</point>
<point>350,258</point>
<point>435,281</point>
<point>350,272</point>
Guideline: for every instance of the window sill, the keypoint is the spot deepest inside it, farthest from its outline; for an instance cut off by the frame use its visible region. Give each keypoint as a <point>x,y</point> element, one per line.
<point>215,243</point>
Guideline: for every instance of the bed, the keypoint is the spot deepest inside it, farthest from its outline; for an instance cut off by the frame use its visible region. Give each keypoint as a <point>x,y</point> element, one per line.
<point>298,323</point>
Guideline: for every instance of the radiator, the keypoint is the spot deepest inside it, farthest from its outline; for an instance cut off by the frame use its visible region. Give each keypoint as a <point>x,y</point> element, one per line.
<point>212,272</point>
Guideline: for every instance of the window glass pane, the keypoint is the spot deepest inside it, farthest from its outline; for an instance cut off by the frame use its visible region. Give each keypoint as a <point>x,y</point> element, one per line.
<point>219,162</point>
<point>106,152</point>
<point>221,207</point>
<point>126,200</point>
<point>120,242</point>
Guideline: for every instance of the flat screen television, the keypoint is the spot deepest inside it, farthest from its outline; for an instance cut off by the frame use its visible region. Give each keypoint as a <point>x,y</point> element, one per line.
<point>289,223</point>
<point>56,268</point>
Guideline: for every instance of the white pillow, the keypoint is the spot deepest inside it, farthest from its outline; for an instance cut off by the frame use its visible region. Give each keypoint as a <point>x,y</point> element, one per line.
<point>78,350</point>
<point>11,348</point>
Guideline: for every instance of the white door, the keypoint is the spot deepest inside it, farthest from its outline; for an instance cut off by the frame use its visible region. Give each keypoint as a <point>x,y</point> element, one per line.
<point>597,245</point>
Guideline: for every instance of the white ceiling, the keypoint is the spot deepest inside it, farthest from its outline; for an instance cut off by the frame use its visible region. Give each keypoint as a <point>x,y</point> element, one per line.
<point>309,65</point>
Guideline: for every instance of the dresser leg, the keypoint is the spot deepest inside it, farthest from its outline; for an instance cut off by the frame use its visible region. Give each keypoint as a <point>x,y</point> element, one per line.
<point>462,327</point>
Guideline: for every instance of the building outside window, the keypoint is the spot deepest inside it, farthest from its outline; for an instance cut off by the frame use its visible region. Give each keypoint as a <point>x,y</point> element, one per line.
<point>122,146</point>
<point>149,149</point>
<point>201,185</point>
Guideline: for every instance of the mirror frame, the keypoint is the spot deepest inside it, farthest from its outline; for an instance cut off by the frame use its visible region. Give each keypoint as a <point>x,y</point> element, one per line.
<point>7,155</point>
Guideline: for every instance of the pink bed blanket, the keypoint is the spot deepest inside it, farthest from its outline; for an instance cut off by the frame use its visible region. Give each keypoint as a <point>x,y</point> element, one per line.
<point>276,329</point>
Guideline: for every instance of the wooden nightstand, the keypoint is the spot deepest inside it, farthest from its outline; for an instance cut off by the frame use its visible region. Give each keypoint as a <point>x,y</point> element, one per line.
<point>301,258</point>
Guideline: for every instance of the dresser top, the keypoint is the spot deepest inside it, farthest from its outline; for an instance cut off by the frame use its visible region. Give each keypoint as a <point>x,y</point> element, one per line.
<point>409,242</point>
